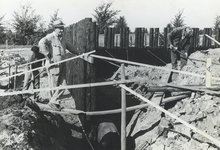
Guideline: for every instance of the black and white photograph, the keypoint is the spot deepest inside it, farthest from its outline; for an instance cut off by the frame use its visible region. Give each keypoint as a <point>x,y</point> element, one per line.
<point>109,75</point>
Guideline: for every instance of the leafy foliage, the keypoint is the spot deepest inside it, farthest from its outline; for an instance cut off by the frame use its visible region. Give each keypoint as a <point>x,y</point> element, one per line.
<point>216,24</point>
<point>178,21</point>
<point>54,17</point>
<point>121,23</point>
<point>25,23</point>
<point>2,33</point>
<point>105,16</point>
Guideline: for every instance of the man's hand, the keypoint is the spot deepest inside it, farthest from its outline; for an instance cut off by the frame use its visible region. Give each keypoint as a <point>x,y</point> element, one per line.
<point>186,55</point>
<point>172,47</point>
<point>47,63</point>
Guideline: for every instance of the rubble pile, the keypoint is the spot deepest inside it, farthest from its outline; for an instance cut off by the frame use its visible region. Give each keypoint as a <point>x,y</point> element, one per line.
<point>152,130</point>
<point>24,126</point>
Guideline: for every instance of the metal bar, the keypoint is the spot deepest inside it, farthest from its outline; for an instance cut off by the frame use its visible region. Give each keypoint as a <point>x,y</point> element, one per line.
<point>191,88</point>
<point>215,141</point>
<point>123,112</point>
<point>212,39</point>
<point>84,54</point>
<point>32,62</point>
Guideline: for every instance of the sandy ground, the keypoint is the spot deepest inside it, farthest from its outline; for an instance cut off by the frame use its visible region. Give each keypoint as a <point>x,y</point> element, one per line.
<point>24,126</point>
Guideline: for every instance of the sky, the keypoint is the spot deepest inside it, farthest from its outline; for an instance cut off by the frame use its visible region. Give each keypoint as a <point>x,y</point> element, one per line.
<point>138,13</point>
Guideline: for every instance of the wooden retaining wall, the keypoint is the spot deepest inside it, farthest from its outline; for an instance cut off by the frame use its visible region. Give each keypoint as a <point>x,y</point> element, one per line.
<point>155,39</point>
<point>135,46</point>
<point>82,35</point>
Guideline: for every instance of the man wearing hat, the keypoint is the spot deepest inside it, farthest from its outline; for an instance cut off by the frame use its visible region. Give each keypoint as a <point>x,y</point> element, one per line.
<point>179,44</point>
<point>54,46</point>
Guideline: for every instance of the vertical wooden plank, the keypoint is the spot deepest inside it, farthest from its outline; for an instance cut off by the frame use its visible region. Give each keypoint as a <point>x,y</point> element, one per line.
<point>90,92</point>
<point>197,38</point>
<point>218,37</point>
<point>142,38</point>
<point>136,37</point>
<point>151,37</point>
<point>204,38</point>
<point>15,78</point>
<point>210,34</point>
<point>113,38</point>
<point>192,40</point>
<point>97,37</point>
<point>139,37</point>
<point>208,72</point>
<point>126,37</point>
<point>156,37</point>
<point>165,38</point>
<point>105,37</point>
<point>9,73</point>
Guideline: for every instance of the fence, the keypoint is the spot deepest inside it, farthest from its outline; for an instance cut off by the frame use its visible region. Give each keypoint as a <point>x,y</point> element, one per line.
<point>152,40</point>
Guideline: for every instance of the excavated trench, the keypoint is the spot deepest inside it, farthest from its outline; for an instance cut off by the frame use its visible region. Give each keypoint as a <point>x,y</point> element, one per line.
<point>24,126</point>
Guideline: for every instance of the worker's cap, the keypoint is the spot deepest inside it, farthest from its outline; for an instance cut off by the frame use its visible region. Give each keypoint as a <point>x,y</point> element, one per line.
<point>35,49</point>
<point>188,31</point>
<point>58,24</point>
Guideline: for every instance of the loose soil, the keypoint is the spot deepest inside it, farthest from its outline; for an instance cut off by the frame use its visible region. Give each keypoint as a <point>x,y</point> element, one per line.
<point>24,126</point>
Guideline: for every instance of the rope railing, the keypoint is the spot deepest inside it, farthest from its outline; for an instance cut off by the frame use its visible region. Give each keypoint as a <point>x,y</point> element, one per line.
<point>18,74</point>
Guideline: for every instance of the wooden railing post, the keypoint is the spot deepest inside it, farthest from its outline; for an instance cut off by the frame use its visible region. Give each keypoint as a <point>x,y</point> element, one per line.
<point>123,113</point>
<point>16,69</point>
<point>9,73</point>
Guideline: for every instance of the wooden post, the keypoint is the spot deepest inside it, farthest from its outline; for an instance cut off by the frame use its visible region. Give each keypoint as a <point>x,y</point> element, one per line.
<point>9,73</point>
<point>208,73</point>
<point>142,37</point>
<point>156,37</point>
<point>218,36</point>
<point>123,113</point>
<point>151,38</point>
<point>16,69</point>
<point>84,38</point>
<point>136,37</point>
<point>165,38</point>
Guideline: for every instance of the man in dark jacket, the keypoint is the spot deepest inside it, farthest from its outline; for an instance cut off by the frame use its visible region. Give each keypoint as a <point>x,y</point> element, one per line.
<point>34,76</point>
<point>179,44</point>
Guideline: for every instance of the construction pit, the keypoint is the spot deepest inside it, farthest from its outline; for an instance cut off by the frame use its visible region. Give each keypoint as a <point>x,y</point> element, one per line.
<point>24,125</point>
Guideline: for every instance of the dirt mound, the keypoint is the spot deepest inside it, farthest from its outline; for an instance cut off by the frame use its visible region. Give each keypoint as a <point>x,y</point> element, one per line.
<point>152,130</point>
<point>24,126</point>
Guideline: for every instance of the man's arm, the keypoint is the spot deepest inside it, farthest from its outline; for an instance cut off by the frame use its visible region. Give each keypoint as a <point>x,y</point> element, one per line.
<point>72,48</point>
<point>45,46</point>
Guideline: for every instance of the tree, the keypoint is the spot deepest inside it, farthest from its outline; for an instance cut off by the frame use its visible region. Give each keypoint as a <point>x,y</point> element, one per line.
<point>53,18</point>
<point>25,23</point>
<point>178,21</point>
<point>216,24</point>
<point>105,16</point>
<point>2,33</point>
<point>120,23</point>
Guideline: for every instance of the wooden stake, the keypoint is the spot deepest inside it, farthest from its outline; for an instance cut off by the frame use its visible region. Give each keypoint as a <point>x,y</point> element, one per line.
<point>16,69</point>
<point>123,113</point>
<point>208,78</point>
<point>215,141</point>
<point>9,73</point>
